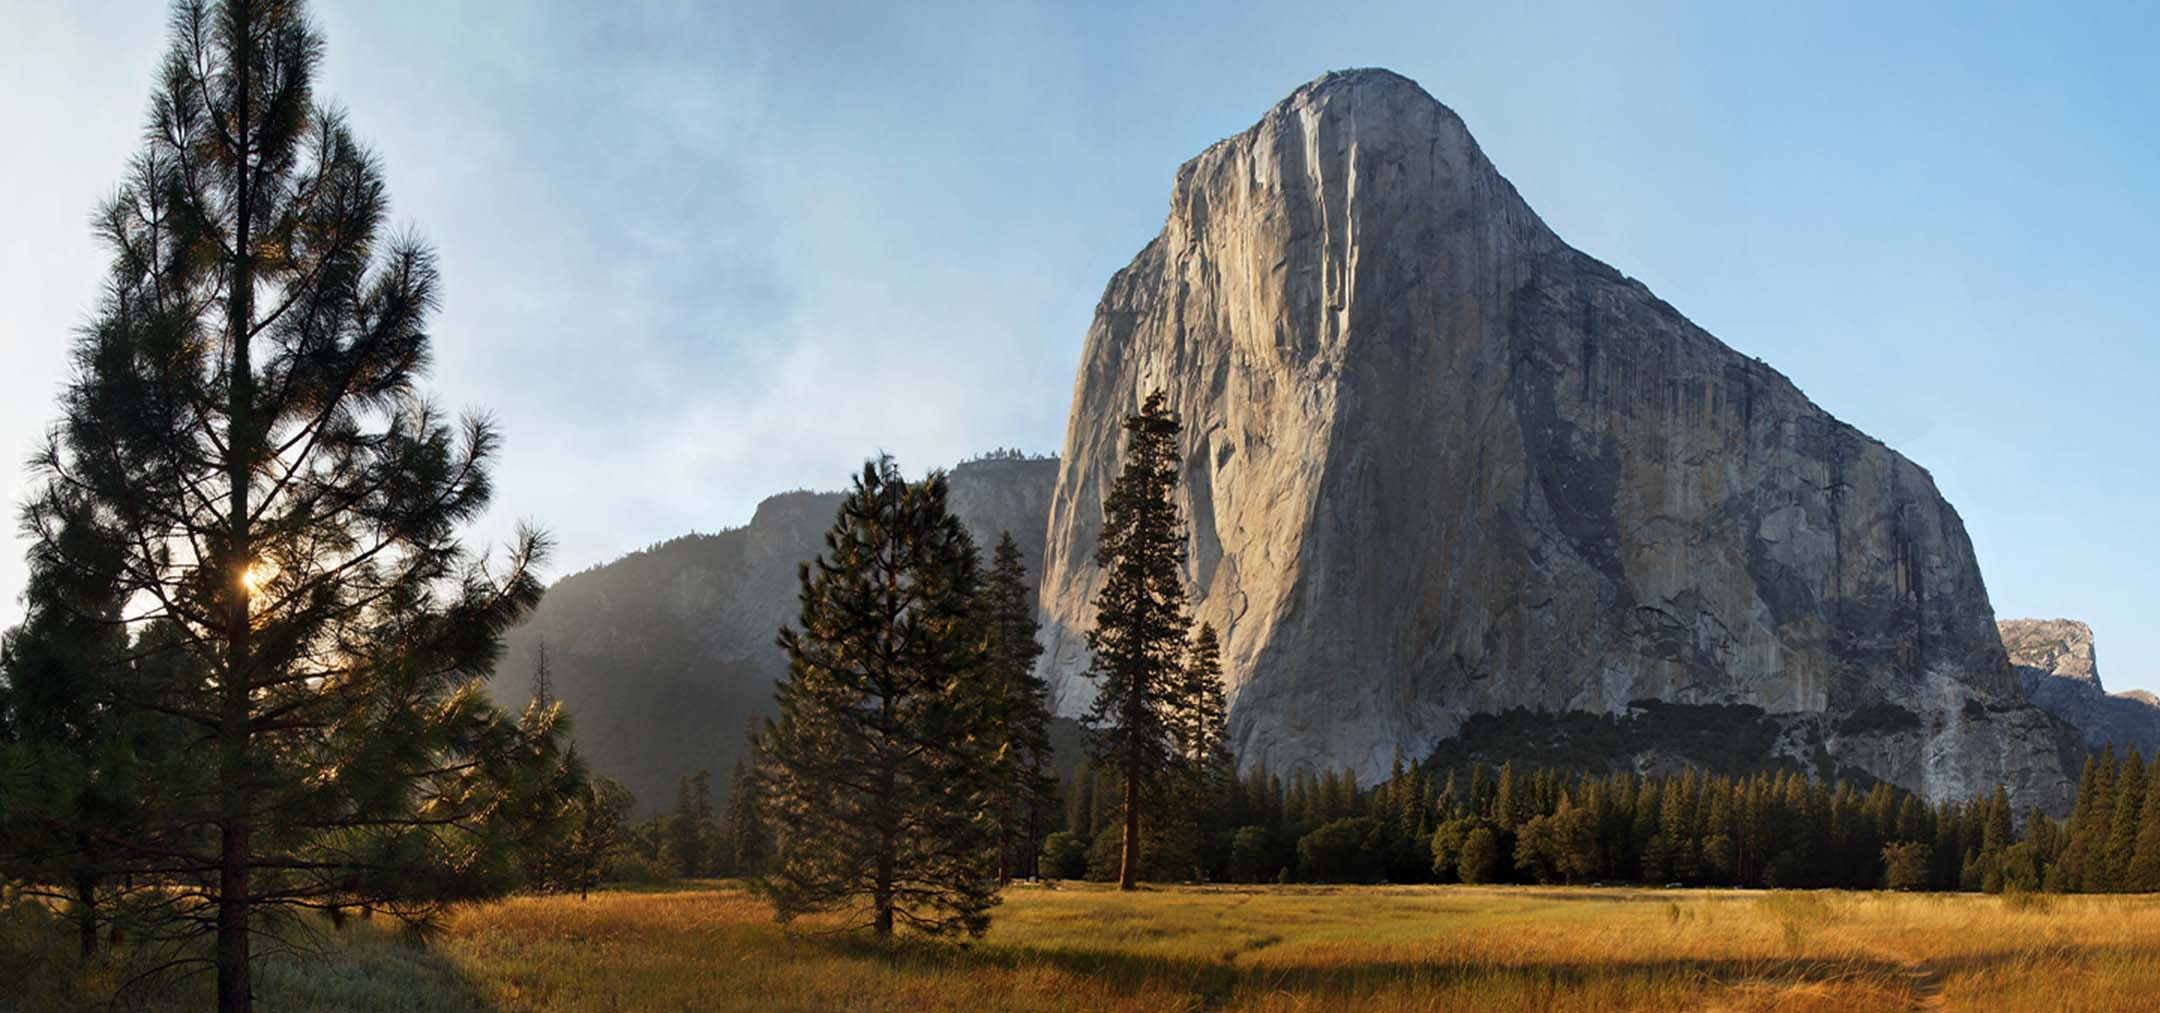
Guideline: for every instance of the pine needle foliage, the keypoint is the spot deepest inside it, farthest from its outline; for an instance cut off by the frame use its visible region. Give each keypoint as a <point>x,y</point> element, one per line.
<point>880,771</point>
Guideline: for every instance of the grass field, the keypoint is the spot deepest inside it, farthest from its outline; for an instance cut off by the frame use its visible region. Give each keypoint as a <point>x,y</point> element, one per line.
<point>1271,948</point>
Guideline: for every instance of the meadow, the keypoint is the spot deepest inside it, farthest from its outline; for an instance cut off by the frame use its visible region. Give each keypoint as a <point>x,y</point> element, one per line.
<point>1084,947</point>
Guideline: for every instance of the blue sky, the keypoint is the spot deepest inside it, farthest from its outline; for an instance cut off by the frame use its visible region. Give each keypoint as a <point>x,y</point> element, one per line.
<point>667,227</point>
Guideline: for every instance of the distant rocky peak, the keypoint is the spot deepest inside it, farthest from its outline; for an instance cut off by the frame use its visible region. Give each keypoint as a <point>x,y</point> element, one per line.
<point>2058,647</point>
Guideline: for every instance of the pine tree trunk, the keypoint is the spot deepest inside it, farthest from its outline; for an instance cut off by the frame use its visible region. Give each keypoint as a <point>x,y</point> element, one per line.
<point>1034,847</point>
<point>234,987</point>
<point>1129,863</point>
<point>882,895</point>
<point>232,918</point>
<point>86,912</point>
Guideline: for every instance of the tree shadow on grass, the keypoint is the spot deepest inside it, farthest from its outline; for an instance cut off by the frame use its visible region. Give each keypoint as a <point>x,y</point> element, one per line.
<point>365,970</point>
<point>368,969</point>
<point>1212,983</point>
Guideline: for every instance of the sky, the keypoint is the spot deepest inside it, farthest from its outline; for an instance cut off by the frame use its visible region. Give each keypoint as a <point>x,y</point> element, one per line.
<point>668,228</point>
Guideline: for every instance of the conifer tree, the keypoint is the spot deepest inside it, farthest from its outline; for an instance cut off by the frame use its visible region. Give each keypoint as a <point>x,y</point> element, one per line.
<point>690,827</point>
<point>1080,800</point>
<point>71,766</point>
<point>601,826</point>
<point>1205,771</point>
<point>2094,816</point>
<point>245,420</point>
<point>749,840</point>
<point>880,770</point>
<point>1020,710</point>
<point>1139,637</point>
<point>2123,820</point>
<point>2142,875</point>
<point>543,679</point>
<point>1999,831</point>
<point>1509,808</point>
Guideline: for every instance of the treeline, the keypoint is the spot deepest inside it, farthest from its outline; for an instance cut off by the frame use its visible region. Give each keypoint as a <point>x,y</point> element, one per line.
<point>1481,824</point>
<point>695,839</point>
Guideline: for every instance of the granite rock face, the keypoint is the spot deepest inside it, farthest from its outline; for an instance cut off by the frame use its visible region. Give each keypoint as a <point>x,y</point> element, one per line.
<point>662,655</point>
<point>1437,462</point>
<point>2059,671</point>
<point>2058,648</point>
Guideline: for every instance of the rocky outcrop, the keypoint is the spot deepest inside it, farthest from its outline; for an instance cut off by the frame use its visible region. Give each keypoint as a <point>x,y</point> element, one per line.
<point>2059,671</point>
<point>2057,648</point>
<point>662,655</point>
<point>1439,463</point>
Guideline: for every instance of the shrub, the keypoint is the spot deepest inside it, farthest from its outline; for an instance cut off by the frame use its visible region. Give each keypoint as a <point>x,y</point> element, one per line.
<point>1104,854</point>
<point>1447,843</point>
<point>1254,855</point>
<point>1480,860</point>
<point>1344,851</point>
<point>1064,856</point>
<point>1905,865</point>
<point>626,866</point>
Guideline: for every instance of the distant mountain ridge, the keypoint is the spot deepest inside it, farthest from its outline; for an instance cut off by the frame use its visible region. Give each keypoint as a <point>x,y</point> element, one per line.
<point>2059,671</point>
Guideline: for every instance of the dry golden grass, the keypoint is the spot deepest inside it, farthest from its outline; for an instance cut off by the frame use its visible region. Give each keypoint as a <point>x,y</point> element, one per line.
<point>1269,948</point>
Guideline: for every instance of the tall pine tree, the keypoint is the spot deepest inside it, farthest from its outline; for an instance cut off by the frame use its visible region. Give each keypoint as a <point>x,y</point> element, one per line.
<point>245,421</point>
<point>1139,636</point>
<point>880,771</point>
<point>1200,795</point>
<point>1019,702</point>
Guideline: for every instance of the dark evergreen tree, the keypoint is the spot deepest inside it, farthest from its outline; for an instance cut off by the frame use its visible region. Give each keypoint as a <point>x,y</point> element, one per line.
<point>71,765</point>
<point>245,420</point>
<point>1080,800</point>
<point>1063,856</point>
<point>543,679</point>
<point>2122,832</point>
<point>880,770</point>
<point>748,839</point>
<point>690,829</point>
<point>1905,865</point>
<point>1139,637</point>
<point>2142,872</point>
<point>1195,799</point>
<point>601,828</point>
<point>1480,860</point>
<point>1019,722</point>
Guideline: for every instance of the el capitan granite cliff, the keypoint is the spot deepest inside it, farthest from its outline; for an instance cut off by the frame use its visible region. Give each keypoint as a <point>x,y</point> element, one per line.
<point>1439,463</point>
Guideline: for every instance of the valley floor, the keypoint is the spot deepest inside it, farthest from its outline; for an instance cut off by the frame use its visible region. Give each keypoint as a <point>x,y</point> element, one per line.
<point>712,946</point>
